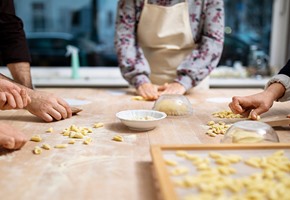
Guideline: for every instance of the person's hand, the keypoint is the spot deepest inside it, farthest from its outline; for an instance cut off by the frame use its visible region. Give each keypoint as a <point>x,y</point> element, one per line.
<point>12,96</point>
<point>48,107</point>
<point>148,91</point>
<point>251,106</point>
<point>11,138</point>
<point>172,88</point>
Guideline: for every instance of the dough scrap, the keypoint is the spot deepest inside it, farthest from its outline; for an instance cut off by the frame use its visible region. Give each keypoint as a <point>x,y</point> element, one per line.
<point>241,136</point>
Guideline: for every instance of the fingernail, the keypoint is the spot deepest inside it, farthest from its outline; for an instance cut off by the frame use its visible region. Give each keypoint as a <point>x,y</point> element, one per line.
<point>250,115</point>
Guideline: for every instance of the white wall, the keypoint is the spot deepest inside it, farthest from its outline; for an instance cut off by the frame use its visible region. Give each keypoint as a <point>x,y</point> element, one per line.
<point>280,38</point>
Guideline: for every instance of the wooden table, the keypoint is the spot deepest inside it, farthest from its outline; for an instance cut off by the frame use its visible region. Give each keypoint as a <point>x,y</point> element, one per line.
<point>105,169</point>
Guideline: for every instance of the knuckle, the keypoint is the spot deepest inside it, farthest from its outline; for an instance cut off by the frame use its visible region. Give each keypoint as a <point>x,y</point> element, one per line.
<point>9,143</point>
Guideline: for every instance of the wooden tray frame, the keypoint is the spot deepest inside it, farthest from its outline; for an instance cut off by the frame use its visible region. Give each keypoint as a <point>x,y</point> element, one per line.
<point>162,175</point>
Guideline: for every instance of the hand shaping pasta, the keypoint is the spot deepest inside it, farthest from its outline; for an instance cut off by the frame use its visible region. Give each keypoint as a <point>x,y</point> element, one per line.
<point>11,138</point>
<point>12,96</point>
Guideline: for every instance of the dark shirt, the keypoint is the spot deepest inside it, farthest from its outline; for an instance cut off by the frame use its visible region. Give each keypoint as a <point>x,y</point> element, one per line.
<point>13,45</point>
<point>286,69</point>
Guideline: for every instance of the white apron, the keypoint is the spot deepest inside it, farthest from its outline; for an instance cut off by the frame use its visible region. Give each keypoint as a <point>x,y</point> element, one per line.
<point>165,36</point>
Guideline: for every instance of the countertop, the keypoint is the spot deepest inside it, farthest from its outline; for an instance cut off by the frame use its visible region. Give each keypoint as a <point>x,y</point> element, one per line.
<point>106,169</point>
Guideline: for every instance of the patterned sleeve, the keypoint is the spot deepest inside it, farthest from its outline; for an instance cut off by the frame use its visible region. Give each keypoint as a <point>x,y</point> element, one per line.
<point>209,40</point>
<point>132,62</point>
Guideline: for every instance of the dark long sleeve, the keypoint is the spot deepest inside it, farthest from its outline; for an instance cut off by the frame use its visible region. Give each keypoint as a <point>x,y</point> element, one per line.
<point>286,69</point>
<point>13,45</point>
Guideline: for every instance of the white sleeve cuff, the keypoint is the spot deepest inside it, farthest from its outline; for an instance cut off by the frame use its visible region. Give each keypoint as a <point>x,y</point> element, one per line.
<point>285,81</point>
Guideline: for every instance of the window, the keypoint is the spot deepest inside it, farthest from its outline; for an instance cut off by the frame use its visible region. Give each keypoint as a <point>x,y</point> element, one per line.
<point>52,25</point>
<point>247,23</point>
<point>90,26</point>
<point>38,17</point>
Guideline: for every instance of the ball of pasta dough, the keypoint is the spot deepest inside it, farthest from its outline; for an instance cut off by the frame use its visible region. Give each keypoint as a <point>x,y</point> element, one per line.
<point>173,107</point>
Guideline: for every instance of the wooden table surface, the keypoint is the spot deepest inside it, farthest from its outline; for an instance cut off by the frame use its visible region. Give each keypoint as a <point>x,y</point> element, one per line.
<point>105,169</point>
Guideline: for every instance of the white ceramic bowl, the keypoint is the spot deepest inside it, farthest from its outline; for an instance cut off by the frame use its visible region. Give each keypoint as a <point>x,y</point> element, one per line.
<point>140,120</point>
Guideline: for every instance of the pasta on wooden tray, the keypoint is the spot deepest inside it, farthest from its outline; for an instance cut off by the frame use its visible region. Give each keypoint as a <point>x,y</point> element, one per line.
<point>237,172</point>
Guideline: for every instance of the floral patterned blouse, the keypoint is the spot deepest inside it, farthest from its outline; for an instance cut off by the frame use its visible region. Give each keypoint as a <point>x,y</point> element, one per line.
<point>207,25</point>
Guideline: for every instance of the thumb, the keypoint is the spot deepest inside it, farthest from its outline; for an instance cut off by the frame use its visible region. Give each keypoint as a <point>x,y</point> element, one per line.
<point>162,88</point>
<point>255,113</point>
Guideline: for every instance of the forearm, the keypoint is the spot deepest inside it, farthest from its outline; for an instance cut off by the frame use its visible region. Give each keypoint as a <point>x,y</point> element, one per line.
<point>28,90</point>
<point>197,66</point>
<point>202,60</point>
<point>14,49</point>
<point>21,74</point>
<point>132,62</point>
<point>133,65</point>
<point>275,91</point>
<point>284,81</point>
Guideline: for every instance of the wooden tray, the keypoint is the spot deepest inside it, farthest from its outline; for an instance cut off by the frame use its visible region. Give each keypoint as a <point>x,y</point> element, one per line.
<point>166,185</point>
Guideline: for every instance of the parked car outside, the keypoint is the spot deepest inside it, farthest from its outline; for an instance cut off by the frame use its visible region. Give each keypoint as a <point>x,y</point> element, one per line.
<point>235,49</point>
<point>49,49</point>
